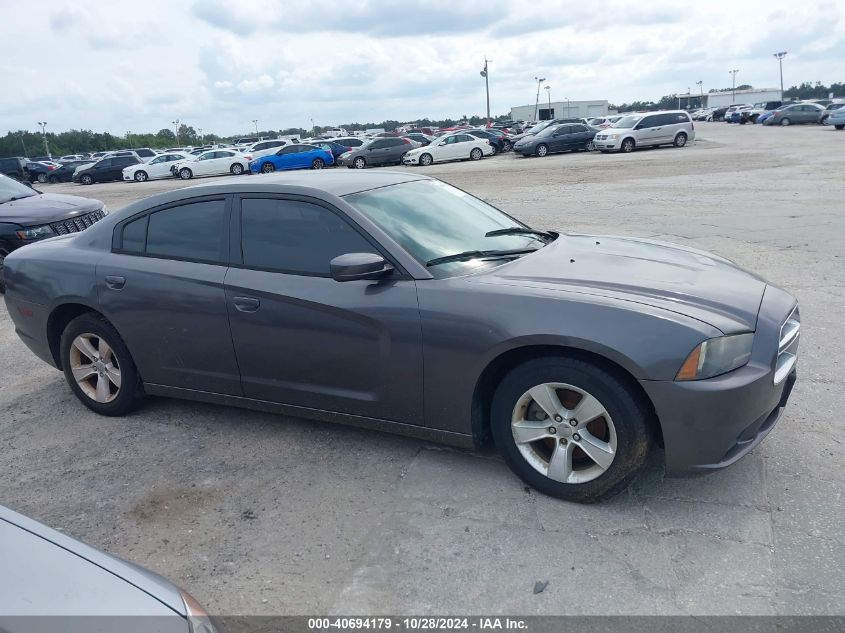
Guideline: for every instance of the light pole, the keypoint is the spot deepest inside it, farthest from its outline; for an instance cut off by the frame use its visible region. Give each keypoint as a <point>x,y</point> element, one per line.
<point>539,81</point>
<point>313,127</point>
<point>701,88</point>
<point>733,84</point>
<point>199,129</point>
<point>255,123</point>
<point>486,74</point>
<point>129,139</point>
<point>567,107</point>
<point>780,57</point>
<point>43,125</point>
<point>549,95</point>
<point>176,130</point>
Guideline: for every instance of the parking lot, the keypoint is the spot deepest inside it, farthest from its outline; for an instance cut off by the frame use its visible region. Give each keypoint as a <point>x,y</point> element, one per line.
<point>260,514</point>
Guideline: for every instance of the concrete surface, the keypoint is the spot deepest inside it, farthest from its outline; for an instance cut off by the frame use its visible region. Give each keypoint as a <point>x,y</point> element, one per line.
<point>258,514</point>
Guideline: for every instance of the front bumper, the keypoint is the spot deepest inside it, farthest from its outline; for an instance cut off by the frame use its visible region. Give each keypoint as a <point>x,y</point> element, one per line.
<point>410,160</point>
<point>607,144</point>
<point>711,424</point>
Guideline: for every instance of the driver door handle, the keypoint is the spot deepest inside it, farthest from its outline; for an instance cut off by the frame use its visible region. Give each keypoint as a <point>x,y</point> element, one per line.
<point>115,282</point>
<point>246,304</point>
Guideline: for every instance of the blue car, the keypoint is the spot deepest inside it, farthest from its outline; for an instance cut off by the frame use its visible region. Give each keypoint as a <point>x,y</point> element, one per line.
<point>763,117</point>
<point>331,146</point>
<point>293,157</point>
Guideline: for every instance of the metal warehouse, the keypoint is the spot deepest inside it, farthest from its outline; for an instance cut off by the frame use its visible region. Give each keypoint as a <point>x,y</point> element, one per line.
<point>559,109</point>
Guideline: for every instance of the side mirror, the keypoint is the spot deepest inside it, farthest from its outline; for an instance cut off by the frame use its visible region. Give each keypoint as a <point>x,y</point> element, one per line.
<point>352,266</point>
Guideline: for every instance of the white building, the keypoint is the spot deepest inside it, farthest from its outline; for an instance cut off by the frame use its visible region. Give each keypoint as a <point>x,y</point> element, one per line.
<point>560,110</point>
<point>723,99</point>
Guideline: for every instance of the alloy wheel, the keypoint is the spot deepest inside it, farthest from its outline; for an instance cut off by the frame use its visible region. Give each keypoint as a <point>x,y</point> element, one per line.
<point>542,150</point>
<point>268,168</point>
<point>426,160</point>
<point>564,433</point>
<point>140,176</point>
<point>95,367</point>
<point>42,178</point>
<point>590,146</point>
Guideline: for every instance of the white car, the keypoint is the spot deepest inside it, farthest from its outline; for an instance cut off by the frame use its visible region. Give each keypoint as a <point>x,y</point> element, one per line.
<point>158,167</point>
<point>214,162</point>
<point>457,146</point>
<point>264,148</point>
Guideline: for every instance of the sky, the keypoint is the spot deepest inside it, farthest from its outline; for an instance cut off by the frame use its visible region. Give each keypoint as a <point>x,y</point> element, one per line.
<point>217,65</point>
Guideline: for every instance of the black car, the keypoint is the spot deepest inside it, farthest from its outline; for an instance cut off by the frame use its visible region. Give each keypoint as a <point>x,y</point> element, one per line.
<point>38,172</point>
<point>335,148</point>
<point>496,141</point>
<point>105,169</point>
<point>65,172</point>
<point>380,151</point>
<point>542,125</point>
<point>14,167</point>
<point>719,114</point>
<point>27,215</point>
<point>568,137</point>
<point>420,138</point>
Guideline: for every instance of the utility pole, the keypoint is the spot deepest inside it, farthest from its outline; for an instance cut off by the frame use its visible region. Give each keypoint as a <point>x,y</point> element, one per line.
<point>549,94</point>
<point>176,130</point>
<point>199,130</point>
<point>43,125</point>
<point>255,123</point>
<point>733,85</point>
<point>539,80</point>
<point>22,144</point>
<point>780,57</point>
<point>701,87</point>
<point>486,74</point>
<point>129,139</point>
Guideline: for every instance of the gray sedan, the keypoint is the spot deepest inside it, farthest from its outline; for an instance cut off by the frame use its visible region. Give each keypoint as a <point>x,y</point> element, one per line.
<point>53,582</point>
<point>795,113</point>
<point>397,302</point>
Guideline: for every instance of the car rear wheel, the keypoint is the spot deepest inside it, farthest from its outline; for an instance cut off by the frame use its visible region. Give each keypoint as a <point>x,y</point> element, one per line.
<point>590,146</point>
<point>476,154</point>
<point>141,176</point>
<point>2,283</point>
<point>839,127</point>
<point>98,367</point>
<point>42,178</point>
<point>628,145</point>
<point>268,168</point>
<point>507,146</point>
<point>542,149</point>
<point>237,169</point>
<point>785,121</point>
<point>570,429</point>
<point>359,163</point>
<point>426,160</point>
<point>318,163</point>
<point>86,180</point>
<point>185,173</point>
<point>681,139</point>
<point>53,180</point>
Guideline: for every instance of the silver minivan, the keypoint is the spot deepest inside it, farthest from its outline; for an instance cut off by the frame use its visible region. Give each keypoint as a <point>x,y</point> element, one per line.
<point>647,129</point>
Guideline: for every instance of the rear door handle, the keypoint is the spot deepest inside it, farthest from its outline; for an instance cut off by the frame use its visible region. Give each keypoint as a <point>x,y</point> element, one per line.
<point>246,304</point>
<point>115,282</point>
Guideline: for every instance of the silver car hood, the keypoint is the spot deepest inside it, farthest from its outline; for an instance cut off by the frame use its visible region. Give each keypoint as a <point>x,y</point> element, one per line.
<point>683,280</point>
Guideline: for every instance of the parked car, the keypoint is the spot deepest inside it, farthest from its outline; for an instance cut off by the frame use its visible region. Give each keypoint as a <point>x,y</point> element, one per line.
<point>263,148</point>
<point>350,141</point>
<point>539,127</point>
<point>145,153</point>
<point>568,137</point>
<point>741,115</point>
<point>64,173</point>
<point>836,118</point>
<point>157,168</point>
<point>27,216</point>
<point>420,138</point>
<point>455,146</point>
<point>299,156</point>
<point>104,170</point>
<point>717,114</point>
<point>71,158</point>
<point>63,581</point>
<point>216,162</point>
<point>39,171</point>
<point>496,142</point>
<point>14,168</point>
<point>647,130</point>
<point>416,308</point>
<point>335,149</point>
<point>376,152</point>
<point>795,114</point>
<point>824,114</point>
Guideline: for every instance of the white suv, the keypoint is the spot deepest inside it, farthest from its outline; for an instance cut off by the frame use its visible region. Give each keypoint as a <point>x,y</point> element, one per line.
<point>647,129</point>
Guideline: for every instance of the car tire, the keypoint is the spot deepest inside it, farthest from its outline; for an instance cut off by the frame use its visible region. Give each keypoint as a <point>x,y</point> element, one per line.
<point>628,145</point>
<point>476,154</point>
<point>85,179</point>
<point>42,178</point>
<point>141,176</point>
<point>3,254</point>
<point>507,146</point>
<point>236,169</point>
<point>426,160</point>
<point>359,163</point>
<point>839,127</point>
<point>542,150</point>
<point>617,433</point>
<point>590,146</point>
<point>318,163</point>
<point>785,121</point>
<point>268,168</point>
<point>680,139</point>
<point>108,383</point>
<point>185,173</point>
<point>53,180</point>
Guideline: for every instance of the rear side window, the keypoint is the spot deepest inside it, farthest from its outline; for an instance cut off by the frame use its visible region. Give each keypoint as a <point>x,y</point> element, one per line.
<point>134,235</point>
<point>190,231</point>
<point>295,237</point>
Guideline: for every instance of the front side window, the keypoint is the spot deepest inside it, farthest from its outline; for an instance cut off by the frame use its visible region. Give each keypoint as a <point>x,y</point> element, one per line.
<point>190,231</point>
<point>295,237</point>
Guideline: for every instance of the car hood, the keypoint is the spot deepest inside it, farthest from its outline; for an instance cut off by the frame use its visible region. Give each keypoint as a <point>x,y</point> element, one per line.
<point>683,280</point>
<point>46,208</point>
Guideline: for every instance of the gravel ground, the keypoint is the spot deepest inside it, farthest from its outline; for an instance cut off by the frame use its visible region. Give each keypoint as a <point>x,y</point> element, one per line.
<point>259,514</point>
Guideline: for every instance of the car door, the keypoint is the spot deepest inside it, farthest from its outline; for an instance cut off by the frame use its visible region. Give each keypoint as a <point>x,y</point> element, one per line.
<point>158,166</point>
<point>649,130</point>
<point>560,138</point>
<point>306,340</point>
<point>285,158</point>
<point>220,162</point>
<point>378,152</point>
<point>162,288</point>
<point>398,148</point>
<point>99,172</point>
<point>581,135</point>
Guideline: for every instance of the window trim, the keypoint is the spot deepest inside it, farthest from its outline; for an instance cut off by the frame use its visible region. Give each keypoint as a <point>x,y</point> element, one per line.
<point>236,245</point>
<point>117,234</point>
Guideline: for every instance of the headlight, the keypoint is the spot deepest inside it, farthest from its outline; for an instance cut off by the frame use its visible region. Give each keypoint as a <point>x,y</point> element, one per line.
<point>717,356</point>
<point>105,210</point>
<point>614,136</point>
<point>35,233</point>
<point>197,617</point>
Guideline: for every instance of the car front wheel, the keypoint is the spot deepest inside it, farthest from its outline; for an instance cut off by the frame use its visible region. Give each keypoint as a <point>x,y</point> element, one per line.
<point>359,163</point>
<point>141,176</point>
<point>542,149</point>
<point>268,168</point>
<point>570,429</point>
<point>98,367</point>
<point>185,173</point>
<point>785,121</point>
<point>86,180</point>
<point>628,145</point>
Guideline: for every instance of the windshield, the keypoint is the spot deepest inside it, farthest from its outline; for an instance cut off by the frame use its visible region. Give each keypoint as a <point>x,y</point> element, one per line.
<point>539,127</point>
<point>431,219</point>
<point>548,131</point>
<point>627,121</point>
<point>11,189</point>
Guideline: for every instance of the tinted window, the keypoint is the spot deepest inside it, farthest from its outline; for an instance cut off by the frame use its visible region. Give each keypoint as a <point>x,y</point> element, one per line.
<point>650,121</point>
<point>295,237</point>
<point>290,149</point>
<point>190,231</point>
<point>380,144</point>
<point>123,161</point>
<point>134,235</point>
<point>579,128</point>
